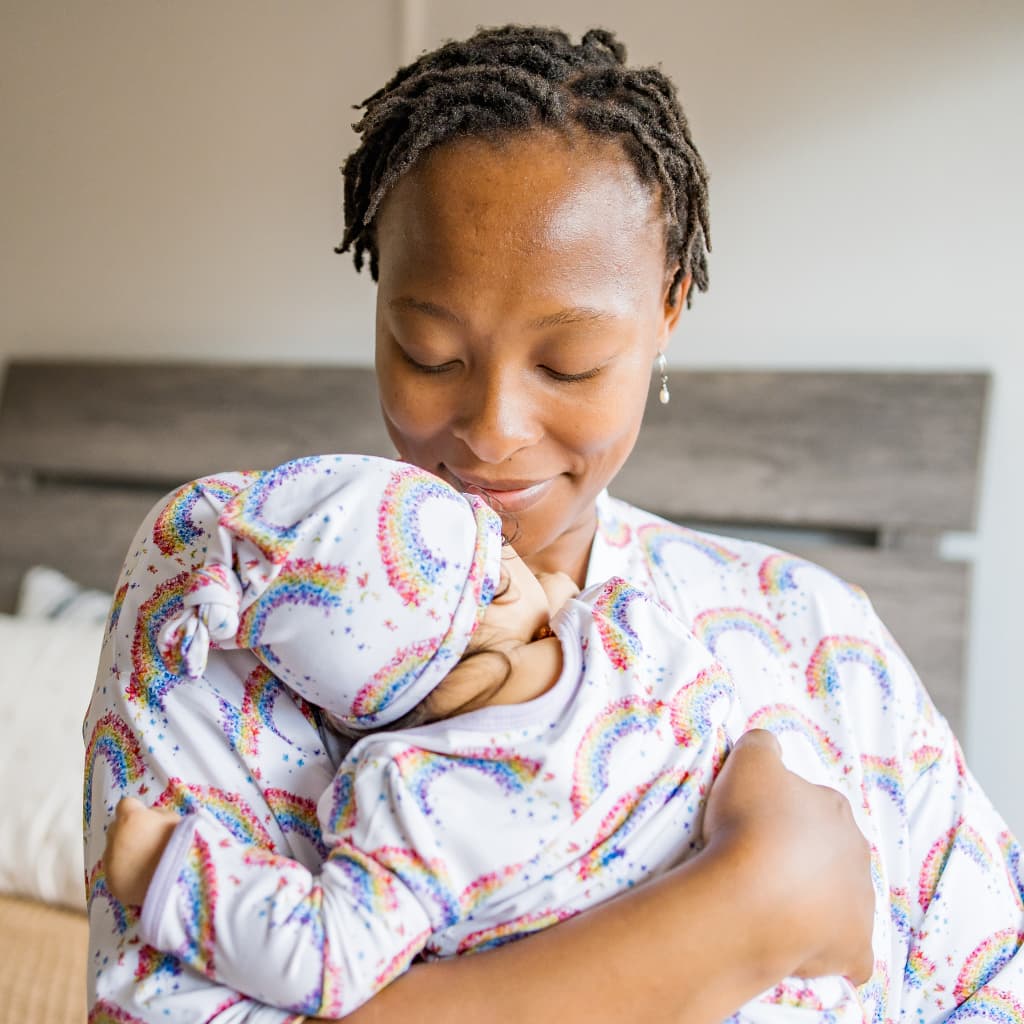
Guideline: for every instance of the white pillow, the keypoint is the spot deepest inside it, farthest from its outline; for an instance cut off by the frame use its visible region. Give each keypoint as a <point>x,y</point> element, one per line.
<point>47,670</point>
<point>46,593</point>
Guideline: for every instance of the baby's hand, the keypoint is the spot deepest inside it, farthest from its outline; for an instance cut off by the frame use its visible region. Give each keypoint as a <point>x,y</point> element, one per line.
<point>135,841</point>
<point>558,588</point>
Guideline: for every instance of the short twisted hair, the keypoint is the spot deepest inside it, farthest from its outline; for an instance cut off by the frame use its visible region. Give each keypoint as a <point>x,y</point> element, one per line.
<point>516,78</point>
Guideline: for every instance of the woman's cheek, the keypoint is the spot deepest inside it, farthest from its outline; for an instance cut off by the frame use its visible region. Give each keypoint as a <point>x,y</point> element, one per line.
<point>604,420</point>
<point>410,402</point>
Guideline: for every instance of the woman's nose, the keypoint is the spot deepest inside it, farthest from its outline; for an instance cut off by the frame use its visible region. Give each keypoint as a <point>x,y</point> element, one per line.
<point>496,419</point>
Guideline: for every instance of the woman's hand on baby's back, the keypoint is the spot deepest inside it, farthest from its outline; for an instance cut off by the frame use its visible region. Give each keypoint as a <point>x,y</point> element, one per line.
<point>812,900</point>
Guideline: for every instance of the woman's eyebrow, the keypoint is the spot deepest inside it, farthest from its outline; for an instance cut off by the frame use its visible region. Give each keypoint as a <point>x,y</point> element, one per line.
<point>569,315</point>
<point>430,308</point>
<point>573,315</point>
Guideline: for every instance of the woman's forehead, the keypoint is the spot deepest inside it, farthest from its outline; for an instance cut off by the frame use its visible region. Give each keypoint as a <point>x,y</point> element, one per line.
<point>572,204</point>
<point>538,184</point>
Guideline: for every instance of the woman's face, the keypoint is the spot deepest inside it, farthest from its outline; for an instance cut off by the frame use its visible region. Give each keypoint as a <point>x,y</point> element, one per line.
<point>523,298</point>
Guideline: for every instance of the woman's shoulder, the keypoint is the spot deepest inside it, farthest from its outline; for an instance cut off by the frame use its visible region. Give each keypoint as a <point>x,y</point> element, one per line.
<point>767,614</point>
<point>694,571</point>
<point>647,548</point>
<point>623,525</point>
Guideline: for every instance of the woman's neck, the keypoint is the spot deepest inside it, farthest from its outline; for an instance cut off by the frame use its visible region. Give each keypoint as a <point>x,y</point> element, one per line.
<point>570,553</point>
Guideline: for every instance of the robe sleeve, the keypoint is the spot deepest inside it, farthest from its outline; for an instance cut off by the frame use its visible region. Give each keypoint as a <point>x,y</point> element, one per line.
<point>233,742</point>
<point>966,911</point>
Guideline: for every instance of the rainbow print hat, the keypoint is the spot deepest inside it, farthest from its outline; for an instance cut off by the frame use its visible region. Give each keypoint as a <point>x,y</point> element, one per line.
<point>358,581</point>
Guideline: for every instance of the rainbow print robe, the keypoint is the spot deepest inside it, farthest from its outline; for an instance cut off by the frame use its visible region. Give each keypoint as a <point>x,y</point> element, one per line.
<point>762,640</point>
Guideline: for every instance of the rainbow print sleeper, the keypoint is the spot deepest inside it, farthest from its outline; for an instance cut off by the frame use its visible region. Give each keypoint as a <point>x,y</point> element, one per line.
<point>466,833</point>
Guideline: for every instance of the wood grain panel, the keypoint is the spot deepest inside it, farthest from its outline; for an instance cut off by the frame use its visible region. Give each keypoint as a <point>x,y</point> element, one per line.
<point>841,450</point>
<point>84,532</point>
<point>86,448</point>
<point>857,450</point>
<point>162,425</point>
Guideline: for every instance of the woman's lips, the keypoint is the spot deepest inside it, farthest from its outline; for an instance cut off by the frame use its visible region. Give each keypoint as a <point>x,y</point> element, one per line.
<point>505,495</point>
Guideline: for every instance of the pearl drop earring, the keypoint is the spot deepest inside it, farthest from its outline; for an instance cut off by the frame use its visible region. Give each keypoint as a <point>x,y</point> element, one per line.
<point>663,395</point>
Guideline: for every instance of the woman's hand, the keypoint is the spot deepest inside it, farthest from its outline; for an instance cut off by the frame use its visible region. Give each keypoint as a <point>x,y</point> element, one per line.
<point>814,901</point>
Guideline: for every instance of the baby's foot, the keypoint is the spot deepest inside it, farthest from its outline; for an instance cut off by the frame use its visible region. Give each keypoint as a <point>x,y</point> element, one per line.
<point>135,842</point>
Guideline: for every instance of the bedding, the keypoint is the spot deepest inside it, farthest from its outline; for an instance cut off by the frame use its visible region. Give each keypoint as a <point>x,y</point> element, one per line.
<point>50,651</point>
<point>46,677</point>
<point>47,593</point>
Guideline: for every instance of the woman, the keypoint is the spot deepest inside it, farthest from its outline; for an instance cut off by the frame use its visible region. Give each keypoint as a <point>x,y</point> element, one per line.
<point>535,215</point>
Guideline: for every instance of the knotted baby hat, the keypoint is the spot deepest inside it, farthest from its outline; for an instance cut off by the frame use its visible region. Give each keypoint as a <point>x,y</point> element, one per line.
<point>357,580</point>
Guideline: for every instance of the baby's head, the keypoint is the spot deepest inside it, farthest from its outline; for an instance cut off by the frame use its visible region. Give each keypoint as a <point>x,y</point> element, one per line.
<point>360,582</point>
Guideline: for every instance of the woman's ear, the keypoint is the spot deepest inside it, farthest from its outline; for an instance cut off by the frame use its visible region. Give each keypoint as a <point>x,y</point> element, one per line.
<point>676,290</point>
<point>677,287</point>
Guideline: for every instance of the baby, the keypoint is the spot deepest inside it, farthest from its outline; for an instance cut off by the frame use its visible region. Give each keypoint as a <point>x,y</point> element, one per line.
<point>530,765</point>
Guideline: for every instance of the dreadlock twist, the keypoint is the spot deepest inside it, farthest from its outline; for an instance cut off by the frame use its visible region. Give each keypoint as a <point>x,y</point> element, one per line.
<point>512,79</point>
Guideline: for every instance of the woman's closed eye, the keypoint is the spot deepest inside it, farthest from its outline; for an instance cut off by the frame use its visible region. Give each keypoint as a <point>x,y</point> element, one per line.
<point>593,352</point>
<point>558,375</point>
<point>421,367</point>
<point>570,378</point>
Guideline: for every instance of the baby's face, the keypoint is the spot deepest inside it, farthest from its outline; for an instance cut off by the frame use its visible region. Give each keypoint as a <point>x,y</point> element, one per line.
<point>525,602</point>
<point>516,617</point>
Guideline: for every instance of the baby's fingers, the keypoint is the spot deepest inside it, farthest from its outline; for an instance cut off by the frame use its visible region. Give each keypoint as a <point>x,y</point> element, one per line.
<point>127,806</point>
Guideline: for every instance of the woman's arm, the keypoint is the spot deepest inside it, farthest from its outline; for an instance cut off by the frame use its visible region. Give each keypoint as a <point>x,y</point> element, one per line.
<point>782,887</point>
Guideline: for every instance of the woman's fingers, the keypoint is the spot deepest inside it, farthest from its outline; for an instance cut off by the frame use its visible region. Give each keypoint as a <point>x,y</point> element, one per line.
<point>844,893</point>
<point>815,890</point>
<point>761,739</point>
<point>742,792</point>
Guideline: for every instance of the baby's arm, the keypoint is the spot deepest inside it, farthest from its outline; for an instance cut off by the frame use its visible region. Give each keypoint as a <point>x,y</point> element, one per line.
<point>259,922</point>
<point>136,841</point>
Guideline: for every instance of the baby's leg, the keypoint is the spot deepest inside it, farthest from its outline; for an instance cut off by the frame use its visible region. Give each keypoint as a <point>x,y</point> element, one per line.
<point>136,840</point>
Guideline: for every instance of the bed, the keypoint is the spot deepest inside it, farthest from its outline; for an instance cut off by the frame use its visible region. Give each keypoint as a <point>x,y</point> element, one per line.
<point>864,473</point>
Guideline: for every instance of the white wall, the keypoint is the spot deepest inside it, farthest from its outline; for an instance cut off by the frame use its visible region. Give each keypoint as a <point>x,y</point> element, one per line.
<point>170,181</point>
<point>169,188</point>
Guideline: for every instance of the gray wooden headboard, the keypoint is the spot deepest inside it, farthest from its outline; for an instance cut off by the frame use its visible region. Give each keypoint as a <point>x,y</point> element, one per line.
<point>862,472</point>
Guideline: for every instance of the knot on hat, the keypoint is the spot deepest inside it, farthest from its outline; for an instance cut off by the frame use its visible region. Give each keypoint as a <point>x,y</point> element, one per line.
<point>212,601</point>
<point>357,581</point>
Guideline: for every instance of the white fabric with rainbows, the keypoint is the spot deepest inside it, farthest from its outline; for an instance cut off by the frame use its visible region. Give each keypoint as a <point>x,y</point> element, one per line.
<point>470,832</point>
<point>807,658</point>
<point>358,580</point>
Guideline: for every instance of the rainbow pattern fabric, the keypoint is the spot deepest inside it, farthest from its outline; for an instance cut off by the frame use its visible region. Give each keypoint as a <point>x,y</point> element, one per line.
<point>349,549</point>
<point>468,834</point>
<point>641,725</point>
